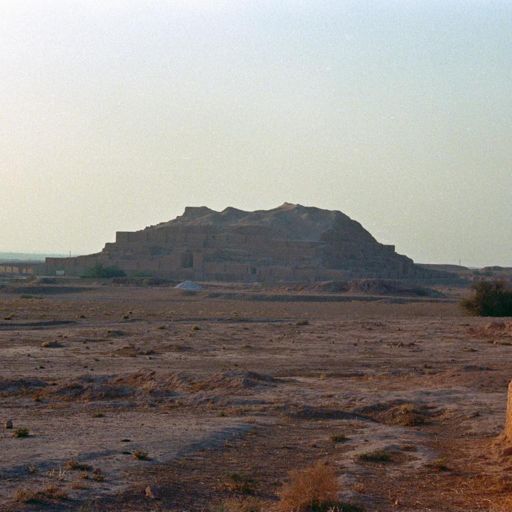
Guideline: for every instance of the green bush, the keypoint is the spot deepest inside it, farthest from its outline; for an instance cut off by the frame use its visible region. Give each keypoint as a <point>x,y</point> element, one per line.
<point>490,298</point>
<point>99,271</point>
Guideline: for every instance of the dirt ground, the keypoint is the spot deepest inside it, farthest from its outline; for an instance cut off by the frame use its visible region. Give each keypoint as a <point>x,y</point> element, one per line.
<point>139,398</point>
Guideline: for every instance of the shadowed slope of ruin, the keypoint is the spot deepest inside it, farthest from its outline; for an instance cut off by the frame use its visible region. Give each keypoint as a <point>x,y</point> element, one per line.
<point>288,243</point>
<point>288,221</point>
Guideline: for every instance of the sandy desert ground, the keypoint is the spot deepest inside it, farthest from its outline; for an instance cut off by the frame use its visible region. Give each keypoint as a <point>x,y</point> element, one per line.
<point>140,398</point>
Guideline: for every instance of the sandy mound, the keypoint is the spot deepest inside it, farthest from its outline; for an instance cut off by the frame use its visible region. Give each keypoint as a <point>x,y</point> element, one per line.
<point>493,329</point>
<point>235,379</point>
<point>308,412</point>
<point>14,386</point>
<point>189,286</point>
<point>155,384</point>
<point>398,413</point>
<point>372,287</point>
<point>87,389</point>
<point>389,287</point>
<point>141,385</point>
<point>112,388</point>
<point>332,286</point>
<point>405,415</point>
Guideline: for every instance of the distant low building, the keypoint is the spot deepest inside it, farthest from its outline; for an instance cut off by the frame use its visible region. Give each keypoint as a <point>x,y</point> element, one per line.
<point>25,268</point>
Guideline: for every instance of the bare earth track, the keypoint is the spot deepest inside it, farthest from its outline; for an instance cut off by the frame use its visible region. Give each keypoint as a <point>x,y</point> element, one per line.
<point>154,387</point>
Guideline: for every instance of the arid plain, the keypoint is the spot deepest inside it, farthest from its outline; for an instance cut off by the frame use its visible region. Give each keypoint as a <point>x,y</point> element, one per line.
<point>150,398</point>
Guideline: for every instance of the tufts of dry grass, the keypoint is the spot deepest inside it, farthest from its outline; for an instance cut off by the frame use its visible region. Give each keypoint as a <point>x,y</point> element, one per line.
<point>140,455</point>
<point>240,483</point>
<point>312,489</point>
<point>49,494</point>
<point>502,505</point>
<point>51,344</point>
<point>249,504</point>
<point>21,432</point>
<point>377,456</point>
<point>74,465</point>
<point>405,415</point>
<point>79,486</point>
<point>339,438</point>
<point>97,475</point>
<point>440,464</point>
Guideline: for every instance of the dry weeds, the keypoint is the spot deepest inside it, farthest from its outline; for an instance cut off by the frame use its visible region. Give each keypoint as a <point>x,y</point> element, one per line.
<point>240,483</point>
<point>312,488</point>
<point>248,504</point>
<point>74,465</point>
<point>377,456</point>
<point>21,432</point>
<point>140,455</point>
<point>42,496</point>
<point>502,505</point>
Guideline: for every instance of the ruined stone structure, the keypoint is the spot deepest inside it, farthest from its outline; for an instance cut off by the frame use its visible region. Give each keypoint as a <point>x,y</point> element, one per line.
<point>288,243</point>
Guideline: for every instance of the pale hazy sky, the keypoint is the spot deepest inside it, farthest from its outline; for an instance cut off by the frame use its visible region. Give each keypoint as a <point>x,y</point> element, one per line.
<point>115,115</point>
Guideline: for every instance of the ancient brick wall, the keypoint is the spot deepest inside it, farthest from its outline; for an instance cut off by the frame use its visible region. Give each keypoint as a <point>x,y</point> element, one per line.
<point>269,251</point>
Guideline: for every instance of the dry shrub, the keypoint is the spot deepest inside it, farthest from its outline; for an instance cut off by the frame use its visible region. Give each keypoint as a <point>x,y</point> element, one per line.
<point>140,455</point>
<point>378,456</point>
<point>313,488</point>
<point>242,505</point>
<point>74,465</point>
<point>495,329</point>
<point>47,495</point>
<point>405,415</point>
<point>502,505</point>
<point>21,432</point>
<point>490,298</point>
<point>240,483</point>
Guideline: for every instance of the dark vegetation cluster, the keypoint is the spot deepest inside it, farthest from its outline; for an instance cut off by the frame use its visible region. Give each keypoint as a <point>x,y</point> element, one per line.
<point>100,271</point>
<point>490,298</point>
